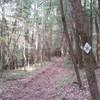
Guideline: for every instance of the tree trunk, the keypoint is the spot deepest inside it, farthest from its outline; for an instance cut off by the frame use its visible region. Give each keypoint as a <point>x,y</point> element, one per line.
<point>98,40</point>
<point>99,6</point>
<point>69,43</point>
<point>3,42</point>
<point>83,28</point>
<point>91,21</point>
<point>78,50</point>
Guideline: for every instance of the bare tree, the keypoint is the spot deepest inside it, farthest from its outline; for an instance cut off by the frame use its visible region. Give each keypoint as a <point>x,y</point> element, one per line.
<point>83,28</point>
<point>69,43</point>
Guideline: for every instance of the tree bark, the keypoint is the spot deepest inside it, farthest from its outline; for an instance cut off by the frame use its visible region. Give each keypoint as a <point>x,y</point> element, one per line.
<point>98,40</point>
<point>99,6</point>
<point>69,43</point>
<point>83,29</point>
<point>78,51</point>
<point>91,21</point>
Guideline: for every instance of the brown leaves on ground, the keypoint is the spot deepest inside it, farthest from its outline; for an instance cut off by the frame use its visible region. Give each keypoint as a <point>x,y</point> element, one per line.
<point>45,84</point>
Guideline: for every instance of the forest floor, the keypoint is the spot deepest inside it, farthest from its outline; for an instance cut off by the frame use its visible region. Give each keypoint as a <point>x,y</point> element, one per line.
<point>54,82</point>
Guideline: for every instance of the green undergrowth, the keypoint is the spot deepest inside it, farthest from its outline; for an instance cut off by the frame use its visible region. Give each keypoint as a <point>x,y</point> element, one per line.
<point>21,73</point>
<point>65,80</point>
<point>72,77</point>
<point>67,60</point>
<point>40,65</point>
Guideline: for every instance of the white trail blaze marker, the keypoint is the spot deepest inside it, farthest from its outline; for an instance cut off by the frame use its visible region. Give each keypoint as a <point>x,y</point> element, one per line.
<point>87,47</point>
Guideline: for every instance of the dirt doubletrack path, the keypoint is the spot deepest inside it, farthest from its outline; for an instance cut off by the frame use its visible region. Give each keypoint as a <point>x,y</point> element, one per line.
<point>49,83</point>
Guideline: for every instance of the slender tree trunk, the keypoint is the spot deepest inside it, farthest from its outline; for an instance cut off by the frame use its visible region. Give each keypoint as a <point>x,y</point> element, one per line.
<point>69,43</point>
<point>91,21</point>
<point>98,40</point>
<point>24,56</point>
<point>85,4</point>
<point>78,51</point>
<point>2,42</point>
<point>99,6</point>
<point>63,47</point>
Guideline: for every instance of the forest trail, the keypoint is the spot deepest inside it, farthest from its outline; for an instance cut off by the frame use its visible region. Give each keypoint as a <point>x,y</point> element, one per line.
<point>49,83</point>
